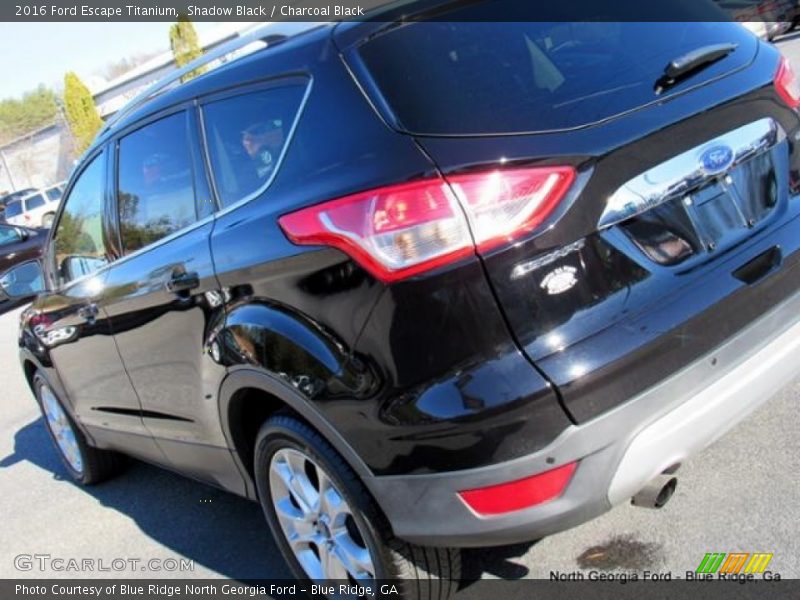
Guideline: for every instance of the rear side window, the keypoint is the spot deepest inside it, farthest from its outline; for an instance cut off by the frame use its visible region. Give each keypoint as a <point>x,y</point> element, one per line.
<point>53,194</point>
<point>34,202</point>
<point>156,185</point>
<point>246,136</point>
<point>80,248</point>
<point>14,209</point>
<point>453,78</point>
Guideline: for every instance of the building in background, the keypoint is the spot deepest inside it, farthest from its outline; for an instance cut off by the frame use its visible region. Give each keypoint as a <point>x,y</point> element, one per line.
<point>43,157</point>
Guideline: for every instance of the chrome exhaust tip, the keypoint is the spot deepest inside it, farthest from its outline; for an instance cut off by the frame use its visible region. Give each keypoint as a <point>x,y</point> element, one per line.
<point>656,493</point>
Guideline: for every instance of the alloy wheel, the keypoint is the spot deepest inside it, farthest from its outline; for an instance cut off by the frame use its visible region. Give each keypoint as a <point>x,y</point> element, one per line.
<point>61,428</point>
<point>316,520</point>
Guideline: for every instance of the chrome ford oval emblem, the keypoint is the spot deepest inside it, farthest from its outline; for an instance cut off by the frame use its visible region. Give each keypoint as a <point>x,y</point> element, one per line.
<point>716,159</point>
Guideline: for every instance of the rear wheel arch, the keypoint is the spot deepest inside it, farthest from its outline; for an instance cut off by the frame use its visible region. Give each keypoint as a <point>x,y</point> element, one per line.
<point>249,397</point>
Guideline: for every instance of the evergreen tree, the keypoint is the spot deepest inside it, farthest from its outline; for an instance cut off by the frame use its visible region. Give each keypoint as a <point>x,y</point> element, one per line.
<point>185,46</point>
<point>82,116</point>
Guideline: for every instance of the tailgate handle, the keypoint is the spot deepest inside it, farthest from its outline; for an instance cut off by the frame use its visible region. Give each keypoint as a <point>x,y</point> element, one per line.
<point>760,266</point>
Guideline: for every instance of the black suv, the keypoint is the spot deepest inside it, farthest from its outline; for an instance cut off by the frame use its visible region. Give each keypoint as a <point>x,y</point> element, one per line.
<point>422,287</point>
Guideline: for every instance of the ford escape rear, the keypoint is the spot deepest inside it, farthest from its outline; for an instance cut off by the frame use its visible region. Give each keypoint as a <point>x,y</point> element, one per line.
<point>422,286</point>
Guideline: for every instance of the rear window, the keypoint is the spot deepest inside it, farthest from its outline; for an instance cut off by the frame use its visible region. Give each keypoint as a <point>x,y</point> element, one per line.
<point>14,208</point>
<point>472,77</point>
<point>34,202</point>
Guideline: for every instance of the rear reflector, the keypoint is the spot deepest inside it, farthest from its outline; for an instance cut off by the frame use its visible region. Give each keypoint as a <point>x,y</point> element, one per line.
<point>402,230</point>
<point>786,83</point>
<point>519,494</point>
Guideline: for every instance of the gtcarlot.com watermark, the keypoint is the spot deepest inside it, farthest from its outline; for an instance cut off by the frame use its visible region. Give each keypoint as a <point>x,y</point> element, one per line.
<point>49,563</point>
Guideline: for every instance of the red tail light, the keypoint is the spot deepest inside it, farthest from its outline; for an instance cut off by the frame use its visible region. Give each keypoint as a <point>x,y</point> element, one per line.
<point>517,495</point>
<point>402,230</point>
<point>786,83</point>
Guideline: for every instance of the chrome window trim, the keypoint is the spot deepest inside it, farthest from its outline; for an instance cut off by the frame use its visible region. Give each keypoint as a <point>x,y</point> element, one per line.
<point>225,209</point>
<point>683,173</point>
<point>205,220</point>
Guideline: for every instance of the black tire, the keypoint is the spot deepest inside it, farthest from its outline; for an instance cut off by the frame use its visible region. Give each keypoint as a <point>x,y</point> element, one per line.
<point>97,465</point>
<point>420,573</point>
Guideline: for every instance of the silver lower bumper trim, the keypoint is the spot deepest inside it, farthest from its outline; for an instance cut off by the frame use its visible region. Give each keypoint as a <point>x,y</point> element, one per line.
<point>713,410</point>
<point>619,451</point>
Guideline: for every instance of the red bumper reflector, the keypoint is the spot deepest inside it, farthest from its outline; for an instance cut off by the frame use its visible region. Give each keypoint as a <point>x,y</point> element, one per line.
<point>522,493</point>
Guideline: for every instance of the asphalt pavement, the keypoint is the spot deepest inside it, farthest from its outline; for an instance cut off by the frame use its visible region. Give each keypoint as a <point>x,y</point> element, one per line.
<point>740,495</point>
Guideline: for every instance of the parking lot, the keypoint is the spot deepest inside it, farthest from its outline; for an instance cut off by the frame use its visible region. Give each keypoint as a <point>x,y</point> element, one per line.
<point>738,496</point>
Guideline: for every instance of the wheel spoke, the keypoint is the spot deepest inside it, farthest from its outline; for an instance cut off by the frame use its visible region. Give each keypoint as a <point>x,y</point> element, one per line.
<point>296,483</point>
<point>355,559</point>
<point>301,487</point>
<point>303,536</point>
<point>331,503</point>
<point>332,565</point>
<point>287,510</point>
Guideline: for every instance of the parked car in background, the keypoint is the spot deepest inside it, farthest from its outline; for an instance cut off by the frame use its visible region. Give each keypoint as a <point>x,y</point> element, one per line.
<point>54,192</point>
<point>424,287</point>
<point>11,197</point>
<point>790,12</point>
<point>18,245</point>
<point>35,210</point>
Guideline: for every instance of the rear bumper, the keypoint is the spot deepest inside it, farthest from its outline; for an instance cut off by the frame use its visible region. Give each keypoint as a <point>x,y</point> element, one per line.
<point>619,451</point>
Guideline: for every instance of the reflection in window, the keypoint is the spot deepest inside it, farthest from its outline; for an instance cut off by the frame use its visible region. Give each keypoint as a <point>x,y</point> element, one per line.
<point>246,136</point>
<point>156,191</point>
<point>79,245</point>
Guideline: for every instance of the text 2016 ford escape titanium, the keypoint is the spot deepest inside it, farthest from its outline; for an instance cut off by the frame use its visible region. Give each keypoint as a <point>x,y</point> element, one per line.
<point>427,286</point>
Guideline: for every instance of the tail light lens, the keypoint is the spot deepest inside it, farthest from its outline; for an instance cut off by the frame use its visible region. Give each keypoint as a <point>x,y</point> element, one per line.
<point>520,494</point>
<point>504,205</point>
<point>393,232</point>
<point>786,83</point>
<point>402,230</point>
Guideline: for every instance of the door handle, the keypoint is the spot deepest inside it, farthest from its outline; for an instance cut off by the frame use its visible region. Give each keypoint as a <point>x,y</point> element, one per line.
<point>183,282</point>
<point>89,312</point>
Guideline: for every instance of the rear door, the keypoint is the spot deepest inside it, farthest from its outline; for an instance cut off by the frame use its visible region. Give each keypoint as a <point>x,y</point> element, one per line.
<point>677,229</point>
<point>160,294</point>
